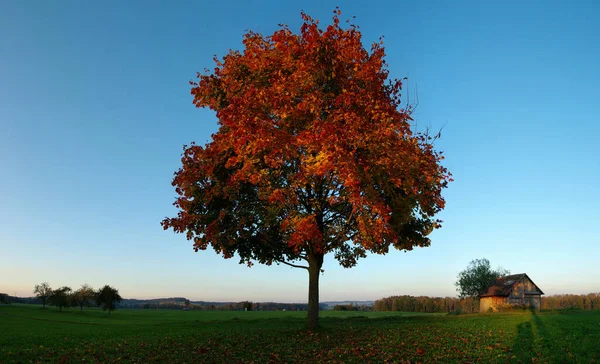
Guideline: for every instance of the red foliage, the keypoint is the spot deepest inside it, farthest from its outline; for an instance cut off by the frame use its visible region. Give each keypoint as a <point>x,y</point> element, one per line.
<point>314,154</point>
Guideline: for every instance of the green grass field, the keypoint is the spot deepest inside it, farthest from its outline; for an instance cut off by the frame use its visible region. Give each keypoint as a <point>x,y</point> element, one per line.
<point>31,334</point>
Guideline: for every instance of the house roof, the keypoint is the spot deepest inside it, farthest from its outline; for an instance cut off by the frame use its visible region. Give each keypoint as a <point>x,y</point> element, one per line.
<point>503,285</point>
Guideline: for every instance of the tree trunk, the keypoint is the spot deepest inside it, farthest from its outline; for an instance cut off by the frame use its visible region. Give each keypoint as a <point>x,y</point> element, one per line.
<point>314,270</point>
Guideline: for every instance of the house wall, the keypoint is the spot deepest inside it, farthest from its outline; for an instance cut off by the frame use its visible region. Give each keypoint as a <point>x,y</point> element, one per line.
<point>525,286</point>
<point>525,293</point>
<point>533,300</point>
<point>485,303</point>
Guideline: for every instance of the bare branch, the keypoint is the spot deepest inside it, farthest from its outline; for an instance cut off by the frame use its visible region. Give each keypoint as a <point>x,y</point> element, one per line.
<point>292,265</point>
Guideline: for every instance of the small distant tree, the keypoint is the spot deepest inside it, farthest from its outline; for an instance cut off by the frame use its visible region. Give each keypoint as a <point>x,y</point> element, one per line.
<point>349,307</point>
<point>83,296</point>
<point>187,304</point>
<point>4,299</point>
<point>247,305</point>
<point>108,297</point>
<point>43,292</point>
<point>60,297</point>
<point>473,281</point>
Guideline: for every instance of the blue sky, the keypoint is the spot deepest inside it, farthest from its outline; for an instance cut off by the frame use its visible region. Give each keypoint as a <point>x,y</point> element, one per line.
<point>95,108</point>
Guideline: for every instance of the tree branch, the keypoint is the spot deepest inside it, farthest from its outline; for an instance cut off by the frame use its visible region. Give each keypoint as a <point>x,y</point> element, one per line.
<point>292,265</point>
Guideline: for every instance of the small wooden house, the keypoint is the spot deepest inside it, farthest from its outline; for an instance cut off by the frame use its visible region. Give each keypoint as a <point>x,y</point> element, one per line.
<point>516,289</point>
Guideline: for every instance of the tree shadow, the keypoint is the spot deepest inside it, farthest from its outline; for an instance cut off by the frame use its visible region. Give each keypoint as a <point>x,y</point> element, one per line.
<point>534,340</point>
<point>523,344</point>
<point>545,341</point>
<point>540,326</point>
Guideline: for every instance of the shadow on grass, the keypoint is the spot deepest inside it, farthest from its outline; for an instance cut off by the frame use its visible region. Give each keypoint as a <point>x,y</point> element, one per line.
<point>523,344</point>
<point>540,326</point>
<point>534,341</point>
<point>546,344</point>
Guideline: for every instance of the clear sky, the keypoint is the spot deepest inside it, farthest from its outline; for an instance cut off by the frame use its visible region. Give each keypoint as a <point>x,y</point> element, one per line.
<point>95,108</point>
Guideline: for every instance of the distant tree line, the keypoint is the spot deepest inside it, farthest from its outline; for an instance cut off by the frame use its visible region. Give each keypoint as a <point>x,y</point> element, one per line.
<point>171,303</point>
<point>589,301</point>
<point>351,307</point>
<point>26,300</point>
<point>185,304</point>
<point>267,306</point>
<point>107,297</point>
<point>181,303</point>
<point>427,304</point>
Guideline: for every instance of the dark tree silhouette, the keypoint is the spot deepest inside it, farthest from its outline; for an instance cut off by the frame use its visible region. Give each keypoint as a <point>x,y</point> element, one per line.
<point>43,292</point>
<point>108,297</point>
<point>83,296</point>
<point>60,297</point>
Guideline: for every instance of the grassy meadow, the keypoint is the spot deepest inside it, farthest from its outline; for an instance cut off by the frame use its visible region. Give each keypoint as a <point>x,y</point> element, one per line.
<point>31,334</point>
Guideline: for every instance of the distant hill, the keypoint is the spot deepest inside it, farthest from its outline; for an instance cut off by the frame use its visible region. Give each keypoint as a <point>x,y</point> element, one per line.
<point>174,303</point>
<point>180,303</point>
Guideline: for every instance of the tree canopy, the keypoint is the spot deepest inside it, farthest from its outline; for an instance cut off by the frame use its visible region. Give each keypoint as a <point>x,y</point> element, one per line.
<point>477,277</point>
<point>60,297</point>
<point>83,296</point>
<point>314,155</point>
<point>43,292</point>
<point>108,297</point>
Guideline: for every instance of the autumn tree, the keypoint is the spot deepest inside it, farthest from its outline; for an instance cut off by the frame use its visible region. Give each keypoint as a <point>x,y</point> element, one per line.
<point>43,292</point>
<point>314,155</point>
<point>477,277</point>
<point>83,296</point>
<point>108,297</point>
<point>60,297</point>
